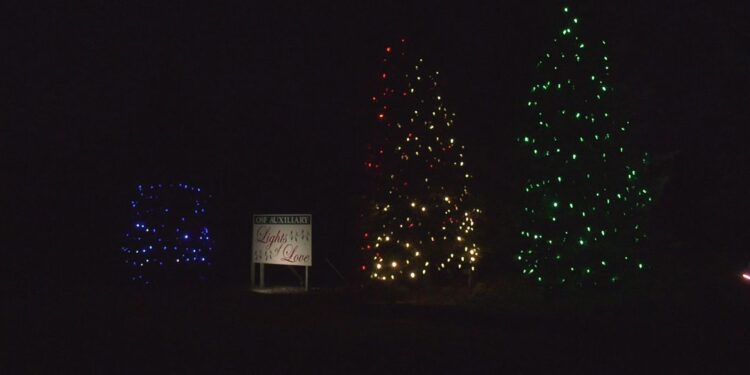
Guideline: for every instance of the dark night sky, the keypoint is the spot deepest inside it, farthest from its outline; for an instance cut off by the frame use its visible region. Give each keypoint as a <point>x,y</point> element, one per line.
<point>267,106</point>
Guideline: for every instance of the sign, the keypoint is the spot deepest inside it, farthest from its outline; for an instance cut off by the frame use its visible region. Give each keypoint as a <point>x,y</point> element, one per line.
<point>282,239</point>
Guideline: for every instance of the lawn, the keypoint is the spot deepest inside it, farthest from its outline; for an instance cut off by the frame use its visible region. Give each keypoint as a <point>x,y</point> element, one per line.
<point>489,329</point>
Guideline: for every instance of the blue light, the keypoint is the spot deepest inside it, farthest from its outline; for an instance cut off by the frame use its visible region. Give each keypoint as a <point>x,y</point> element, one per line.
<point>164,207</point>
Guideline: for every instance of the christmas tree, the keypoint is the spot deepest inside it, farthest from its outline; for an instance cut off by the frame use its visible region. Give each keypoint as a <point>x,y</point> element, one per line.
<point>419,220</point>
<point>168,239</point>
<point>584,196</point>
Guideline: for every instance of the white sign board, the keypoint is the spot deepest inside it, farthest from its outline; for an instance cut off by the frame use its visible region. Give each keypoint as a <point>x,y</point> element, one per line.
<point>282,239</point>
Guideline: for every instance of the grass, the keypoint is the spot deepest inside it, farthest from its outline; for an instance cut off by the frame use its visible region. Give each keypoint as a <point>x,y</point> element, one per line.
<point>500,325</point>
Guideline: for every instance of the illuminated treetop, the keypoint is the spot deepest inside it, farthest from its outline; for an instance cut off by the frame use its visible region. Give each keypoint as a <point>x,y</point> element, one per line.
<point>417,220</point>
<point>584,194</point>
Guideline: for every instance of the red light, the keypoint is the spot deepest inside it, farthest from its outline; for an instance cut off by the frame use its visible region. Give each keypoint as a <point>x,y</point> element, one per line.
<point>384,75</point>
<point>388,49</point>
<point>381,116</point>
<point>746,276</point>
<point>366,235</point>
<point>363,268</point>
<point>374,99</point>
<point>403,40</point>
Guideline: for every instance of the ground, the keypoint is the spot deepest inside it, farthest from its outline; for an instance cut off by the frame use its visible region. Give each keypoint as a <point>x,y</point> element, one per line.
<point>232,330</point>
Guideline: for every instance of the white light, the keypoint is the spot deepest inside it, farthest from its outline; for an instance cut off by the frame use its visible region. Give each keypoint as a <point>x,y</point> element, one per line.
<point>746,276</point>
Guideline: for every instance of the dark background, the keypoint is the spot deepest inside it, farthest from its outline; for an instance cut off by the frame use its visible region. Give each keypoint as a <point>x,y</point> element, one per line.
<point>266,105</point>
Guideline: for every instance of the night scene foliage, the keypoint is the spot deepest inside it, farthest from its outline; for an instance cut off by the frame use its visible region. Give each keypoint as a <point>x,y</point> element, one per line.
<point>419,222</point>
<point>168,238</point>
<point>584,196</point>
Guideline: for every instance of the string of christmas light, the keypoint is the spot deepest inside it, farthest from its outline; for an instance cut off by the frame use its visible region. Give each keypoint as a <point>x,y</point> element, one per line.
<point>584,195</point>
<point>169,236</point>
<point>419,219</point>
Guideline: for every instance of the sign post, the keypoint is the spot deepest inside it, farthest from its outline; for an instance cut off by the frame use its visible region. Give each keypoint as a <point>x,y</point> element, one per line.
<point>281,240</point>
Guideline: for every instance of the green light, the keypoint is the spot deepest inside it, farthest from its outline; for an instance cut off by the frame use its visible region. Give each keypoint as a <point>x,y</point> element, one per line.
<point>590,182</point>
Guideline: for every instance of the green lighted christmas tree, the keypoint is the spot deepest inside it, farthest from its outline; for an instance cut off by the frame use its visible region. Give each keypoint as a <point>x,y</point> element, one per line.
<point>584,195</point>
<point>418,220</point>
